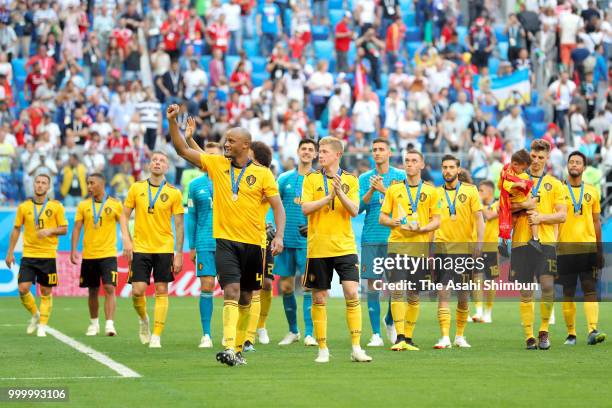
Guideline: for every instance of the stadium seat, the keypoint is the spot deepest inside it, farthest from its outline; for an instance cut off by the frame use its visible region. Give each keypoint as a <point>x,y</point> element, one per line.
<point>413,47</point>
<point>19,70</point>
<point>352,53</point>
<point>205,62</point>
<point>499,34</point>
<point>334,18</point>
<point>409,19</point>
<point>538,129</point>
<point>503,50</point>
<point>534,114</point>
<point>259,64</point>
<point>258,78</point>
<point>493,65</point>
<point>251,47</point>
<point>384,82</point>
<point>336,5</point>
<point>535,97</point>
<point>230,64</point>
<point>436,176</point>
<point>413,34</point>
<point>462,32</point>
<point>324,50</point>
<point>320,33</point>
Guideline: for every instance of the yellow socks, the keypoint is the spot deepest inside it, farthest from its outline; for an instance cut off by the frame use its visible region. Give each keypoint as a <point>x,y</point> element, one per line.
<point>353,319</point>
<point>46,304</point>
<point>569,315</point>
<point>546,309</point>
<point>527,317</point>
<point>591,311</point>
<point>254,312</point>
<point>241,325</point>
<point>411,317</point>
<point>398,312</point>
<point>29,303</point>
<point>462,316</point>
<point>266,302</point>
<point>319,320</point>
<point>230,321</point>
<point>444,319</point>
<point>160,311</point>
<point>140,305</point>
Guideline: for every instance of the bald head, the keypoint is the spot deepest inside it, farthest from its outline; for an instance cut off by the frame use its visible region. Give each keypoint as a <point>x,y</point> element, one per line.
<point>237,144</point>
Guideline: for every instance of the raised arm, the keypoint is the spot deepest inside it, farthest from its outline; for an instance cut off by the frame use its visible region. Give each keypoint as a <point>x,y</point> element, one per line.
<point>178,141</point>
<point>189,131</point>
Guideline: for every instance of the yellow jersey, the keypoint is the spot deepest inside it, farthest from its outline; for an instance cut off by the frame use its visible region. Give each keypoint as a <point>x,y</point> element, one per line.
<point>240,220</point>
<point>491,232</point>
<point>330,231</point>
<point>51,215</point>
<point>456,234</point>
<point>397,204</point>
<point>153,229</point>
<point>100,240</point>
<point>550,193</point>
<point>577,233</point>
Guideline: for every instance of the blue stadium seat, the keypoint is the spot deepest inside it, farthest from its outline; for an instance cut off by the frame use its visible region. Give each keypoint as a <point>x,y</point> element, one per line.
<point>259,64</point>
<point>258,78</point>
<point>436,176</point>
<point>19,71</point>
<point>336,5</point>
<point>535,97</point>
<point>320,33</point>
<point>409,19</point>
<point>413,47</point>
<point>534,114</point>
<point>324,50</point>
<point>230,64</point>
<point>413,34</point>
<point>503,50</point>
<point>102,66</point>
<point>499,34</point>
<point>352,53</point>
<point>384,82</point>
<point>251,47</point>
<point>493,65</point>
<point>205,62</point>
<point>334,18</point>
<point>462,32</point>
<point>538,129</point>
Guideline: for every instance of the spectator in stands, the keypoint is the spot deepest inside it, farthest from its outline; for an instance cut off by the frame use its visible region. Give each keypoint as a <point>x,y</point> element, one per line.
<point>218,35</point>
<point>74,186</point>
<point>9,42</point>
<point>23,20</point>
<point>172,34</point>
<point>516,36</point>
<point>153,23</point>
<point>366,117</point>
<point>232,11</point>
<point>513,127</point>
<point>569,26</point>
<point>560,94</point>
<point>151,117</point>
<point>7,154</point>
<point>122,181</point>
<point>195,79</point>
<point>343,39</point>
<point>340,126</point>
<point>171,84</point>
<point>480,42</point>
<point>321,85</point>
<point>371,49</point>
<point>394,37</point>
<point>268,26</point>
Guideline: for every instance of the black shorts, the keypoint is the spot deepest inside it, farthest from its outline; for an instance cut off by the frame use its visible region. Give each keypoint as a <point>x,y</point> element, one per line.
<point>577,266</point>
<point>320,271</point>
<point>491,267</point>
<point>38,270</point>
<point>452,268</point>
<point>94,270</point>
<point>269,263</point>
<point>409,274</point>
<point>237,262</point>
<point>159,264</point>
<point>527,264</point>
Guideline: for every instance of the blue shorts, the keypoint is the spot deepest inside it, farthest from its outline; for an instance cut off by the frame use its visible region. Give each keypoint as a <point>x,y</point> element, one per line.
<point>205,264</point>
<point>290,261</point>
<point>368,253</point>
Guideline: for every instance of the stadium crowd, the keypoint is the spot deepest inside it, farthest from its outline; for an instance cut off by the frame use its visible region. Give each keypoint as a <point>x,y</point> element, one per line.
<point>84,85</point>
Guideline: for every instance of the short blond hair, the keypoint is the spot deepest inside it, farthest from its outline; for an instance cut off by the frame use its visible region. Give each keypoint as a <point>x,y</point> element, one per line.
<point>334,142</point>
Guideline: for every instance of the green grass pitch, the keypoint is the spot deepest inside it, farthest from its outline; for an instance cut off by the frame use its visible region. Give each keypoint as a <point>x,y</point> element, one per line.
<point>495,372</point>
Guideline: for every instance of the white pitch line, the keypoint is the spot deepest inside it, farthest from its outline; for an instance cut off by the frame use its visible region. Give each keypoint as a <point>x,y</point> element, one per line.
<point>59,378</point>
<point>119,368</point>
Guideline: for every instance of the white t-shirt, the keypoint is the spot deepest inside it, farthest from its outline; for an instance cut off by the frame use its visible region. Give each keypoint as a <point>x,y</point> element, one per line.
<point>606,29</point>
<point>394,111</point>
<point>365,113</point>
<point>514,130</point>
<point>265,137</point>
<point>570,24</point>
<point>368,11</point>
<point>321,83</point>
<point>295,87</point>
<point>194,80</point>
<point>232,16</point>
<point>289,142</point>
<point>104,129</point>
<point>562,93</point>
